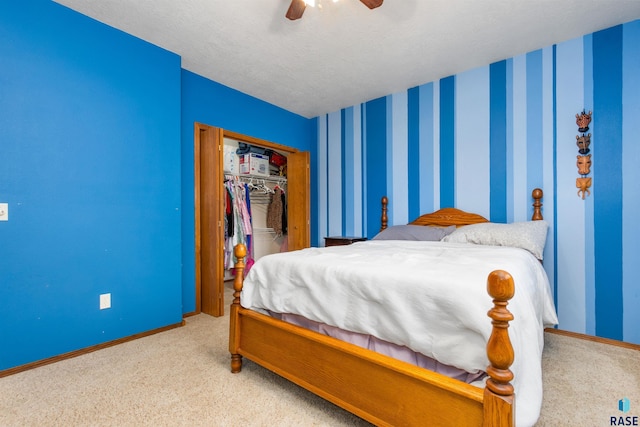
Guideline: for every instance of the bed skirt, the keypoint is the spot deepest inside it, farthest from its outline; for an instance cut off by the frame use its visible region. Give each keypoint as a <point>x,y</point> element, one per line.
<point>398,352</point>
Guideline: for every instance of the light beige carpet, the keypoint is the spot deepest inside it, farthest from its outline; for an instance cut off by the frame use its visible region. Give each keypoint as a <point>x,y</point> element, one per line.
<point>584,380</point>
<point>181,378</point>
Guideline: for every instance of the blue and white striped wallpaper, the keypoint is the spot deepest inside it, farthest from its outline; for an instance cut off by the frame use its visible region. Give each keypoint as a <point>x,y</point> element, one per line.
<point>483,139</point>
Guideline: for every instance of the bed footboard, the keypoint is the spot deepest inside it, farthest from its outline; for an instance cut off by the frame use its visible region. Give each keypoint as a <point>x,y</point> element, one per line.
<point>373,386</point>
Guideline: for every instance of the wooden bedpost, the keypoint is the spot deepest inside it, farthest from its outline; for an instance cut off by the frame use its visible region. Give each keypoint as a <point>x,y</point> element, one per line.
<point>499,396</point>
<point>240,251</point>
<point>537,204</point>
<point>384,219</point>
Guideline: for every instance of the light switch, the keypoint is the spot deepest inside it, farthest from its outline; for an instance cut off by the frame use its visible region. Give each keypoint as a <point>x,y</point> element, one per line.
<point>105,301</point>
<point>4,211</point>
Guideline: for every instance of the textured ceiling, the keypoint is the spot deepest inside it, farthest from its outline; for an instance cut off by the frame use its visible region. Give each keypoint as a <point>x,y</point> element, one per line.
<point>344,54</point>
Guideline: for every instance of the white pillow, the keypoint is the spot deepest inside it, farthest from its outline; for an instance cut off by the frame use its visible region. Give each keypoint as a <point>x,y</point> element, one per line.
<point>529,235</point>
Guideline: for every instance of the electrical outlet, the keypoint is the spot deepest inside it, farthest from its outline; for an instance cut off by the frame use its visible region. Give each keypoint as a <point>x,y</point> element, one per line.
<point>4,211</point>
<point>105,301</point>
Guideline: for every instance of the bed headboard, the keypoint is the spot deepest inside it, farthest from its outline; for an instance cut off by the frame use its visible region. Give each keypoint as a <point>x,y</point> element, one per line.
<point>451,216</point>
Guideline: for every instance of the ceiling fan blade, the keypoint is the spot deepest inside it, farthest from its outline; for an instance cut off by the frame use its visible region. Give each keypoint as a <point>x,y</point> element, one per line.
<point>296,9</point>
<point>372,4</point>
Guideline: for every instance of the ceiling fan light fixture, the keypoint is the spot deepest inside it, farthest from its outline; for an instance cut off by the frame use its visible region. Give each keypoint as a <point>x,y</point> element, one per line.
<point>312,3</point>
<point>296,9</point>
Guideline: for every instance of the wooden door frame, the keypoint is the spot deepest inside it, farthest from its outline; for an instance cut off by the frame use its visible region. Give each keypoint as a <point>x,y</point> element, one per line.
<point>199,130</point>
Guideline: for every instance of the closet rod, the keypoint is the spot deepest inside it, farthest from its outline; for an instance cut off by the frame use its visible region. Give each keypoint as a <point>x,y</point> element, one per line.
<point>248,178</point>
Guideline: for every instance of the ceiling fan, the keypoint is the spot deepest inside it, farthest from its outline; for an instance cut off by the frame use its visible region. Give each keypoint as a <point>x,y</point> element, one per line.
<point>296,9</point>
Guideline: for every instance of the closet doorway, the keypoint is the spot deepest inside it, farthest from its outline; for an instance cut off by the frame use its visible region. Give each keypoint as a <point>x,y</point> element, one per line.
<point>209,194</point>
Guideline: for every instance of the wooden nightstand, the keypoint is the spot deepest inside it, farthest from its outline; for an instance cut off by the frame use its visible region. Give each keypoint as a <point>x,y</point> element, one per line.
<point>342,240</point>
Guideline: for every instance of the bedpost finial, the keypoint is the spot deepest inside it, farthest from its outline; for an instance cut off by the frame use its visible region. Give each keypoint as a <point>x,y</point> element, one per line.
<point>537,204</point>
<point>536,193</point>
<point>384,219</point>
<point>240,251</point>
<point>500,285</point>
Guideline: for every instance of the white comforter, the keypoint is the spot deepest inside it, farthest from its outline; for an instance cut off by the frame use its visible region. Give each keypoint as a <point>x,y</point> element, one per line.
<point>429,296</point>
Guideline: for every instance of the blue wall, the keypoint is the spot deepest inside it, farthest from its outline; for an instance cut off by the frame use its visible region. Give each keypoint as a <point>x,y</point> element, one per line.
<point>211,103</point>
<point>90,167</point>
<point>483,139</point>
<point>96,163</point>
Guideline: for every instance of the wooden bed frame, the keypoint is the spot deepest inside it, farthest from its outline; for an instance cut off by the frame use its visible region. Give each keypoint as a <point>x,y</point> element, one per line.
<point>375,387</point>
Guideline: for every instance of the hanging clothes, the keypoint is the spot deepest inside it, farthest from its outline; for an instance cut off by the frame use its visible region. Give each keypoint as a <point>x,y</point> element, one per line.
<point>238,221</point>
<point>228,210</point>
<point>275,212</point>
<point>284,211</point>
<point>228,222</point>
<point>247,199</point>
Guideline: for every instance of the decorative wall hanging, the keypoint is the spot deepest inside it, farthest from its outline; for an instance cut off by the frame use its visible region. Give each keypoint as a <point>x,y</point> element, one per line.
<point>584,158</point>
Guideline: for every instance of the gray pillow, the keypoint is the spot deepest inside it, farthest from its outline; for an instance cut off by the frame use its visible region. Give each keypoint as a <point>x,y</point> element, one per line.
<point>414,232</point>
<point>529,235</point>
